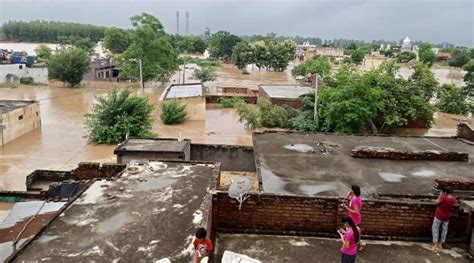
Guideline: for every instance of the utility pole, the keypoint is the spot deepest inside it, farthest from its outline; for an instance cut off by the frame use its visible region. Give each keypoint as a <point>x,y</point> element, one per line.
<point>316,87</point>
<point>184,58</point>
<point>177,40</point>
<point>141,77</point>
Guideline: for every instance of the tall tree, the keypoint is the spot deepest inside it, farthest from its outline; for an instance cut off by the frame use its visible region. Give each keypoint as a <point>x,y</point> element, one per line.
<point>68,65</point>
<point>43,52</point>
<point>221,44</point>
<point>242,55</point>
<point>426,54</point>
<point>424,79</point>
<point>153,47</point>
<point>117,40</point>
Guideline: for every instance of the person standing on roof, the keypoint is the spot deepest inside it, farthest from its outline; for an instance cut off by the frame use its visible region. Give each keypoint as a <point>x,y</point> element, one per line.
<point>350,237</point>
<point>354,210</point>
<point>444,205</point>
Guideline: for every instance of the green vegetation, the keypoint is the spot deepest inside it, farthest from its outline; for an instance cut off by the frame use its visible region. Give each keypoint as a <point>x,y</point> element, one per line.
<point>469,77</point>
<point>27,81</point>
<point>453,99</point>
<point>68,65</point>
<point>265,114</point>
<point>43,53</point>
<point>221,44</point>
<point>204,74</point>
<point>172,112</point>
<point>426,54</point>
<point>117,114</point>
<point>151,44</point>
<point>406,56</point>
<point>317,65</point>
<point>83,43</point>
<point>191,44</point>
<point>424,79</point>
<point>117,40</point>
<point>357,56</point>
<point>242,55</point>
<point>202,62</point>
<point>49,31</point>
<point>231,102</point>
<point>268,54</point>
<point>460,57</point>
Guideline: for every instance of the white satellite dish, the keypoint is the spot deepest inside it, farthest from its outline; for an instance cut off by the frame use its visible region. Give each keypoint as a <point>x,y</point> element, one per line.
<point>239,188</point>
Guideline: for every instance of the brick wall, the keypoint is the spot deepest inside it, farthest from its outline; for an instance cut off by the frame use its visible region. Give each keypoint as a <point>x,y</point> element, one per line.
<point>233,90</point>
<point>231,157</point>
<point>467,185</point>
<point>465,131</point>
<point>370,152</point>
<point>87,170</point>
<point>283,214</point>
<point>215,98</point>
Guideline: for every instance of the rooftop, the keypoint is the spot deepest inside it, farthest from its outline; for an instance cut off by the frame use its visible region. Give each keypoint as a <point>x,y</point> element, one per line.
<point>321,164</point>
<point>183,91</point>
<point>286,91</point>
<point>10,105</point>
<point>144,216</point>
<point>152,145</point>
<point>292,249</point>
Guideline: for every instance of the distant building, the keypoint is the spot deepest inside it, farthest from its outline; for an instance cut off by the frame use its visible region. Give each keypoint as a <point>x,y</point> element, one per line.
<point>284,94</point>
<point>443,56</point>
<point>17,117</point>
<point>105,69</point>
<point>406,45</point>
<point>192,95</point>
<point>11,73</point>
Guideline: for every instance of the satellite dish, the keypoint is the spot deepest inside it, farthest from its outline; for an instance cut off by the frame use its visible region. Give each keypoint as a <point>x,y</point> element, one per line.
<point>239,189</point>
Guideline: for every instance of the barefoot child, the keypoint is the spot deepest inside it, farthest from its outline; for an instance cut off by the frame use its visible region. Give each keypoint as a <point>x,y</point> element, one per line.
<point>202,245</point>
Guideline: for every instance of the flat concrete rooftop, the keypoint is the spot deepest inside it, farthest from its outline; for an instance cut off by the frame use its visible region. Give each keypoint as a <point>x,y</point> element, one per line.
<point>10,105</point>
<point>288,91</point>
<point>152,145</point>
<point>136,218</point>
<point>276,249</point>
<point>183,91</point>
<point>321,164</point>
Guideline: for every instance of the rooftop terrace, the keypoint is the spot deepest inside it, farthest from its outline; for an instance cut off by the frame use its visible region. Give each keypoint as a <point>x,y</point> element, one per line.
<point>321,164</point>
<point>174,91</point>
<point>145,216</point>
<point>285,91</point>
<point>10,105</point>
<point>152,145</point>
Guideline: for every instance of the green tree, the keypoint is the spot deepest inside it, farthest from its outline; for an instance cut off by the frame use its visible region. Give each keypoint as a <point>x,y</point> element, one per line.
<point>117,114</point>
<point>460,57</point>
<point>317,65</point>
<point>172,112</point>
<point>406,56</point>
<point>242,55</point>
<point>83,43</point>
<point>453,99</point>
<point>426,54</point>
<point>153,47</point>
<point>117,40</point>
<point>469,77</point>
<point>68,65</point>
<point>357,56</point>
<point>204,74</point>
<point>424,79</point>
<point>265,115</point>
<point>221,44</point>
<point>43,52</point>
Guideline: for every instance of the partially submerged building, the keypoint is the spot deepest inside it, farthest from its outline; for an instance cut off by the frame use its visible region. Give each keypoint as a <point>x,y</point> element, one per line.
<point>284,94</point>
<point>18,117</point>
<point>11,73</point>
<point>191,95</point>
<point>153,149</point>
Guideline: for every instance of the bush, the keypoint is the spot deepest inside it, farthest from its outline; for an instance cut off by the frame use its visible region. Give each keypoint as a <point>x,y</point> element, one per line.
<point>172,112</point>
<point>231,102</point>
<point>117,114</point>
<point>27,80</point>
<point>406,56</point>
<point>249,115</point>
<point>452,99</point>
<point>265,115</point>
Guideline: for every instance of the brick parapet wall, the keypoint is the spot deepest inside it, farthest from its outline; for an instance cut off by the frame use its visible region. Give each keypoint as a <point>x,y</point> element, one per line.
<point>467,185</point>
<point>465,131</point>
<point>369,152</point>
<point>285,214</point>
<point>89,170</point>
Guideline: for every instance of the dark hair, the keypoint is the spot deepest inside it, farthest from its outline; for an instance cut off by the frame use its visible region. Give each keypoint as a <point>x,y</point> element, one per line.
<point>355,189</point>
<point>448,190</point>
<point>201,232</point>
<point>346,219</point>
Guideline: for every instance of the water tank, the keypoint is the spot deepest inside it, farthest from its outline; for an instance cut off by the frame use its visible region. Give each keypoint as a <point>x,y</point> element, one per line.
<point>16,58</point>
<point>30,60</point>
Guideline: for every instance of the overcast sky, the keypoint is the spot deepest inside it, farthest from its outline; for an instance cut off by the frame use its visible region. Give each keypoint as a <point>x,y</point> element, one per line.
<point>435,20</point>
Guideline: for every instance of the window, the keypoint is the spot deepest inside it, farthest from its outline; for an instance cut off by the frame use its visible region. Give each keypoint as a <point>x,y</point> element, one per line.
<point>37,113</point>
<point>20,66</point>
<point>20,117</point>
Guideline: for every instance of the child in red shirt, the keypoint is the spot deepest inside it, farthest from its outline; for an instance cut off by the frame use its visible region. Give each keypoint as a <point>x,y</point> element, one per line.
<point>202,245</point>
<point>444,206</point>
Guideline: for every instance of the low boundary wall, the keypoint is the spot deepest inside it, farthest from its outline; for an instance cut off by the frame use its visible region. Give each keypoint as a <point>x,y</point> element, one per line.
<point>265,213</point>
<point>231,157</point>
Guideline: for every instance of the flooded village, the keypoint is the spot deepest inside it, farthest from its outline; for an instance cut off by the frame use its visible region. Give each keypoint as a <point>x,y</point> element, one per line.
<point>159,137</point>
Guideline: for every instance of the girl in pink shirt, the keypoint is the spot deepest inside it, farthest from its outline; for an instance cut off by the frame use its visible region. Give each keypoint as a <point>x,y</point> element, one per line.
<point>354,210</point>
<point>350,236</point>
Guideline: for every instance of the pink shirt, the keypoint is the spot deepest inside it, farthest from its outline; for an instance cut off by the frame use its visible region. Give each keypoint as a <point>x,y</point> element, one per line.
<point>355,201</point>
<point>349,236</point>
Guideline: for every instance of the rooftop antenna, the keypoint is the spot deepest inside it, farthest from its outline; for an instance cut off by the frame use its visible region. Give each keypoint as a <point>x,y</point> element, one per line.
<point>177,40</point>
<point>239,189</point>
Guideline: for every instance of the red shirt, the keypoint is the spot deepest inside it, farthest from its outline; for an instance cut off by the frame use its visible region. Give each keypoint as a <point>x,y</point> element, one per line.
<point>443,209</point>
<point>203,247</point>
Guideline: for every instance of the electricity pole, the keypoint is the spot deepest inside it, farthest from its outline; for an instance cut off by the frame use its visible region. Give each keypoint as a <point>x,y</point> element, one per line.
<point>141,77</point>
<point>184,58</point>
<point>316,87</point>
